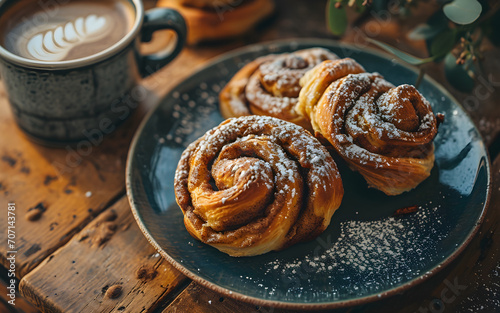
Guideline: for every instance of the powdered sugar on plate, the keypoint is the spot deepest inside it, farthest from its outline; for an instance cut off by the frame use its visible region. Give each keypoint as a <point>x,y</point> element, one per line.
<point>367,255</point>
<point>367,246</point>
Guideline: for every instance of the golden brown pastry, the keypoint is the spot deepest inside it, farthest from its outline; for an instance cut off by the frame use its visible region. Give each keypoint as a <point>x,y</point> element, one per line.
<point>219,19</point>
<point>384,132</point>
<point>255,184</point>
<point>207,4</point>
<point>270,85</point>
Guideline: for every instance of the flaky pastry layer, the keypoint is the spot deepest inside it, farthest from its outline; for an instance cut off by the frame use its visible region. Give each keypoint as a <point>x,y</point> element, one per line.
<point>270,85</point>
<point>384,132</point>
<point>255,184</point>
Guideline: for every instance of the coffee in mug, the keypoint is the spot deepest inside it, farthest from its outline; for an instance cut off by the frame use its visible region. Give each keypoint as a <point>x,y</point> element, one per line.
<point>69,31</point>
<point>72,67</point>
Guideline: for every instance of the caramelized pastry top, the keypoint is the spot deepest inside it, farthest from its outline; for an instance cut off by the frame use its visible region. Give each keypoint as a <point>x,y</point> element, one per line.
<point>383,131</point>
<point>256,184</point>
<point>270,85</point>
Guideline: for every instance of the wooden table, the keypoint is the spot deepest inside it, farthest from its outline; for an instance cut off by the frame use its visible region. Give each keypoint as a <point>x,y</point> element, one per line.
<point>80,250</point>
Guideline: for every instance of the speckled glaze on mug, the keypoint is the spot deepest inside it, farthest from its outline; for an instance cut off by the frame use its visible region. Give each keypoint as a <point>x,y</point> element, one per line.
<point>62,102</point>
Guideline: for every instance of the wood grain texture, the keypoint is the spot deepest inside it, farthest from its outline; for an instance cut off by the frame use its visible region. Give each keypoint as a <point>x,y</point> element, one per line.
<point>21,304</point>
<point>31,175</point>
<point>108,267</point>
<point>68,186</point>
<point>68,200</point>
<point>73,184</point>
<point>197,299</point>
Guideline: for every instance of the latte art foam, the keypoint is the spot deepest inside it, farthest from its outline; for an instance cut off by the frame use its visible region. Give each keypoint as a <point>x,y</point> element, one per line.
<point>73,30</point>
<point>54,45</point>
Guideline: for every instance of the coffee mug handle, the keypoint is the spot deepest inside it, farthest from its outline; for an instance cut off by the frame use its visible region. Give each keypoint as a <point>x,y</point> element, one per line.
<point>161,19</point>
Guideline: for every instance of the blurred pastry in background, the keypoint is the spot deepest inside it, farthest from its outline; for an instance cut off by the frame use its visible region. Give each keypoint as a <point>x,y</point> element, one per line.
<point>210,20</point>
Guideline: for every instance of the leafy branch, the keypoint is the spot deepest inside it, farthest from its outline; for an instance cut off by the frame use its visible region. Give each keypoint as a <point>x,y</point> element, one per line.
<point>453,34</point>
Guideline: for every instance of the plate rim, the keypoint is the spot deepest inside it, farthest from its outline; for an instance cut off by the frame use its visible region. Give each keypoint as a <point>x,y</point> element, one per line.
<point>296,305</point>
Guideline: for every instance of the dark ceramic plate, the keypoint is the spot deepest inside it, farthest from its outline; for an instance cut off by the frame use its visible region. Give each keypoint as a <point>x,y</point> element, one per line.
<point>365,254</point>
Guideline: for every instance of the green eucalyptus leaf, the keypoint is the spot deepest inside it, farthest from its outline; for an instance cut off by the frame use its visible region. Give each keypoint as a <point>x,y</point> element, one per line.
<point>443,43</point>
<point>424,31</point>
<point>437,22</point>
<point>400,54</point>
<point>457,75</point>
<point>463,11</point>
<point>337,19</point>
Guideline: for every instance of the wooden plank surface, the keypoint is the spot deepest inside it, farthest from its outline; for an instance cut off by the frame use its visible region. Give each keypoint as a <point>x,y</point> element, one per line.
<point>21,304</point>
<point>70,185</point>
<point>108,267</point>
<point>29,176</point>
<point>66,186</point>
<point>45,297</point>
<point>58,178</point>
<point>197,299</point>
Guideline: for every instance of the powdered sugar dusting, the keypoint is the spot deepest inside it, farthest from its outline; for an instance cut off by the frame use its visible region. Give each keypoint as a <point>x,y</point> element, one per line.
<point>274,87</point>
<point>288,166</point>
<point>372,118</point>
<point>368,246</point>
<point>386,248</point>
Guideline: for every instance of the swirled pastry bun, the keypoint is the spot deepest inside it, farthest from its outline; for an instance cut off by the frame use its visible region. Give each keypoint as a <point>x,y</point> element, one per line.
<point>255,184</point>
<point>384,132</point>
<point>270,85</point>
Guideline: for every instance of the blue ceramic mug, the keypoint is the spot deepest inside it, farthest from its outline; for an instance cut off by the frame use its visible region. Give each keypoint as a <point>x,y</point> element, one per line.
<point>61,102</point>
